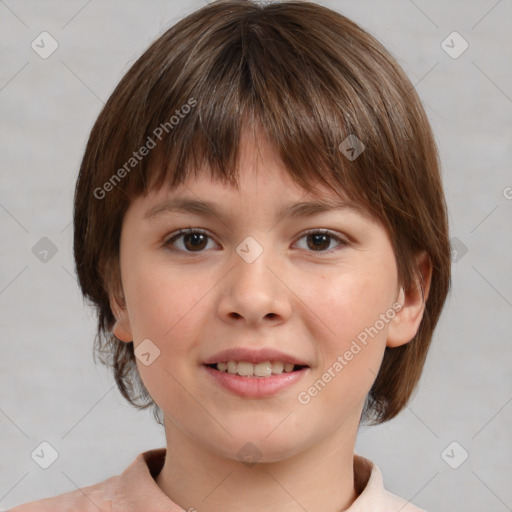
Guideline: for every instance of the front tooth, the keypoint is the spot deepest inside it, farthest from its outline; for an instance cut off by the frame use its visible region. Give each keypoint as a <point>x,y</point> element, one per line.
<point>231,366</point>
<point>263,369</point>
<point>277,367</point>
<point>245,368</point>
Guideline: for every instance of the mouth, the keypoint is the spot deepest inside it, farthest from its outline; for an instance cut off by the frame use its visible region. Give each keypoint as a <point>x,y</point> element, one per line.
<point>264,369</point>
<point>254,375</point>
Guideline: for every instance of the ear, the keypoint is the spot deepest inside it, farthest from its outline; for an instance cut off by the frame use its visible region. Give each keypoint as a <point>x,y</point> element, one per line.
<point>122,329</point>
<point>404,325</point>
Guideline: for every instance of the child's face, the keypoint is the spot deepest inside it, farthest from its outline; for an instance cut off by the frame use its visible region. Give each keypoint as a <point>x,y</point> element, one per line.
<point>308,297</point>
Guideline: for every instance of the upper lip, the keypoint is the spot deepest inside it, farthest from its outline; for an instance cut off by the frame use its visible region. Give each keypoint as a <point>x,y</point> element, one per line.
<point>253,356</point>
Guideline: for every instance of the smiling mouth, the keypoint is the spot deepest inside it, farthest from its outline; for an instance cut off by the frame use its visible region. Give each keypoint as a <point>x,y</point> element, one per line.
<point>263,369</point>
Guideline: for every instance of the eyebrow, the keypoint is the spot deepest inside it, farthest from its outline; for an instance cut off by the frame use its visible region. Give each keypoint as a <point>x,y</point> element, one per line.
<point>210,209</point>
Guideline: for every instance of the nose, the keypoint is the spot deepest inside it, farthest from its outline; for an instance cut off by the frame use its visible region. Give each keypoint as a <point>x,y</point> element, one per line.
<point>255,292</point>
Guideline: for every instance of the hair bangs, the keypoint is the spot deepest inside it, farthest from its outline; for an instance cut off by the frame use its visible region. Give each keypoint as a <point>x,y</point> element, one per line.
<point>254,85</point>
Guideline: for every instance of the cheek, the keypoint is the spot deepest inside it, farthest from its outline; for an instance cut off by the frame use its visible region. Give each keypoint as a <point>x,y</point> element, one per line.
<point>160,301</point>
<point>351,306</point>
<point>348,302</point>
<point>352,346</point>
<point>167,307</point>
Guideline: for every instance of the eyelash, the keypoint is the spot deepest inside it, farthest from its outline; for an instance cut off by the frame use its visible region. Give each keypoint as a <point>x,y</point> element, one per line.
<point>169,242</point>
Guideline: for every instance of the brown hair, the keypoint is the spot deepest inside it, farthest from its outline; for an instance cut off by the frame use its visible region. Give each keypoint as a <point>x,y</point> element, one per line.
<point>308,77</point>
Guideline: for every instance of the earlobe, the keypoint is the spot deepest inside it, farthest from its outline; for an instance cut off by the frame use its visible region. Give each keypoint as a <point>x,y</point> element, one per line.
<point>121,329</point>
<point>405,324</point>
<point>121,333</point>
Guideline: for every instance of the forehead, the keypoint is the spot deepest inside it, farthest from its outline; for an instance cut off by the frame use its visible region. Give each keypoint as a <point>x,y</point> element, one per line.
<point>210,198</point>
<point>260,178</point>
<point>258,169</point>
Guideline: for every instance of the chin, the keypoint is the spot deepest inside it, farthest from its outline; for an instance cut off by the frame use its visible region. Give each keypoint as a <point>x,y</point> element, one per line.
<point>260,447</point>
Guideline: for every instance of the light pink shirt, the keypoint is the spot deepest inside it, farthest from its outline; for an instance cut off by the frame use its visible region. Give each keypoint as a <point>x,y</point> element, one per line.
<point>135,490</point>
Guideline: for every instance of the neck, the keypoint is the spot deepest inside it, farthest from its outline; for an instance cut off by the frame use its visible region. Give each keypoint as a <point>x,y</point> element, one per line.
<point>320,478</point>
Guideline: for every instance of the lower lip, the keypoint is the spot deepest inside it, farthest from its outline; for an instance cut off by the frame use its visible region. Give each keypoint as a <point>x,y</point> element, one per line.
<point>255,387</point>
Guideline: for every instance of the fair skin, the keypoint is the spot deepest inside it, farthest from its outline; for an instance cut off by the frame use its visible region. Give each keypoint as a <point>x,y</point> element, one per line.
<point>304,297</point>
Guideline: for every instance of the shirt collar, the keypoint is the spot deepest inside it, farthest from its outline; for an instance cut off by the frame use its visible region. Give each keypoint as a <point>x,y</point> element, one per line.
<point>138,489</point>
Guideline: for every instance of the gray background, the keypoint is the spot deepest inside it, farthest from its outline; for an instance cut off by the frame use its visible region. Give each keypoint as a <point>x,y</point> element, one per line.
<point>50,389</point>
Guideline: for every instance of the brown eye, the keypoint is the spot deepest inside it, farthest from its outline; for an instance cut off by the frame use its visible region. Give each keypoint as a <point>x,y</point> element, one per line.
<point>320,241</point>
<point>194,241</point>
<point>189,241</point>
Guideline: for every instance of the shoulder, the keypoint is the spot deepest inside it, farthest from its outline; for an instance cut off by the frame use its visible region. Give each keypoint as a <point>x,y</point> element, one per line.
<point>135,485</point>
<point>395,504</point>
<point>372,493</point>
<point>88,499</point>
